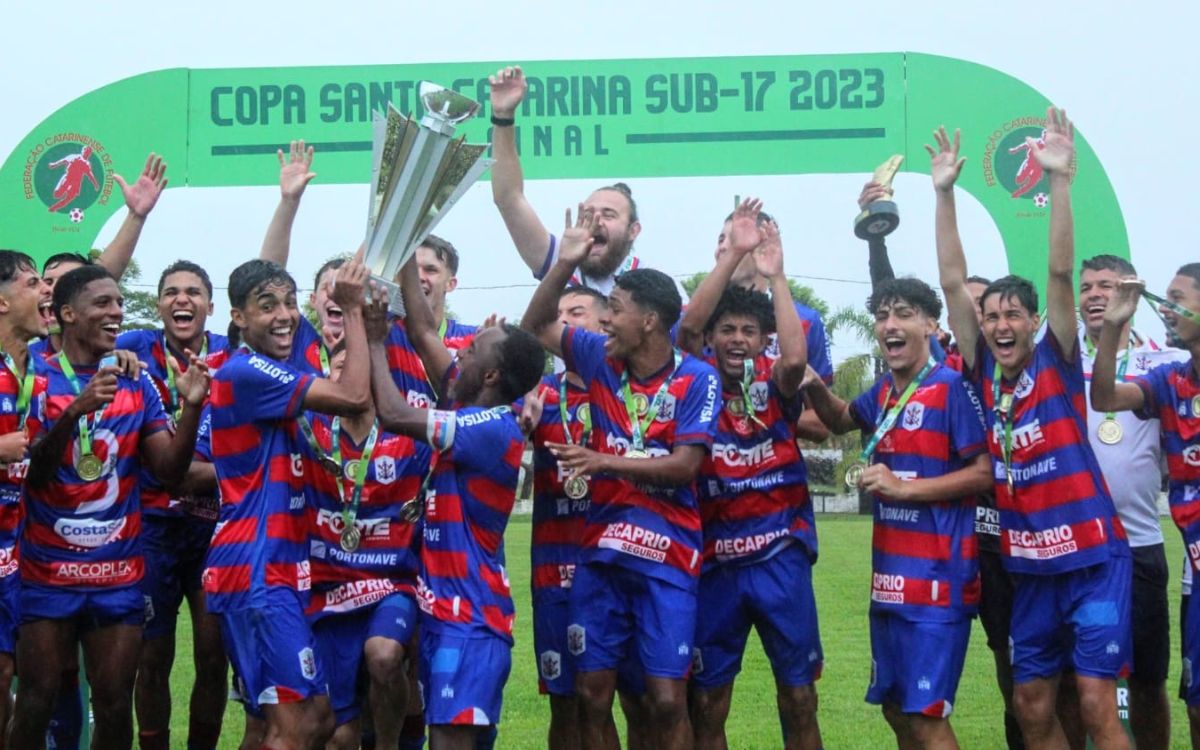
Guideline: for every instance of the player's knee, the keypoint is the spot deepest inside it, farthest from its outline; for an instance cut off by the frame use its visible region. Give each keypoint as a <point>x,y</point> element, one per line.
<point>709,709</point>
<point>926,729</point>
<point>798,704</point>
<point>1032,705</point>
<point>1097,705</point>
<point>595,697</point>
<point>385,660</point>
<point>319,722</point>
<point>666,705</point>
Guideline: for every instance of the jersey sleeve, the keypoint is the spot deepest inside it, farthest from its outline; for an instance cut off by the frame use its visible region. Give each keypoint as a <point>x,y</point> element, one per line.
<point>140,342</point>
<point>864,410</point>
<point>204,436</point>
<point>267,389</point>
<point>696,417</point>
<point>154,416</point>
<point>583,351</point>
<point>965,420</point>
<point>1156,391</point>
<point>481,437</point>
<point>307,338</point>
<point>818,348</point>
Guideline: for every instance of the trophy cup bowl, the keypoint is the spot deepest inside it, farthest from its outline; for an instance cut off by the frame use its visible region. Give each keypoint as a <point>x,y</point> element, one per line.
<point>880,217</point>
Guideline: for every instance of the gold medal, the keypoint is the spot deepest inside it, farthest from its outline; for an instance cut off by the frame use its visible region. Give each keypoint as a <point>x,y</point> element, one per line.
<point>351,469</point>
<point>576,488</point>
<point>584,413</point>
<point>1196,406</point>
<point>88,467</point>
<point>1109,432</point>
<point>641,404</point>
<point>736,407</point>
<point>854,476</point>
<point>331,466</point>
<point>350,539</point>
<point>636,453</point>
<point>412,511</point>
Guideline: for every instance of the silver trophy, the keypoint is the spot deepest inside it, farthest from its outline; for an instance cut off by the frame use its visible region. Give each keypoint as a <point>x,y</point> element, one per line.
<point>419,170</point>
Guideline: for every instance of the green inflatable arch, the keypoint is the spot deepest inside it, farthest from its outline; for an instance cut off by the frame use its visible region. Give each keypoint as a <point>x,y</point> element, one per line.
<point>674,117</point>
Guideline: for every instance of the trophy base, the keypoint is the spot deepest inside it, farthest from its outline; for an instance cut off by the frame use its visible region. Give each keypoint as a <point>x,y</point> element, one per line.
<point>395,301</point>
<point>879,220</point>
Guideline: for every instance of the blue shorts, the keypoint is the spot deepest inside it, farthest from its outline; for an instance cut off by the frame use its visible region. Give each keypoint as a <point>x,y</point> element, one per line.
<point>775,596</point>
<point>341,639</point>
<point>10,612</point>
<point>556,666</point>
<point>175,548</point>
<point>1077,620</point>
<point>273,652</point>
<point>93,609</point>
<point>462,679</point>
<point>618,613</point>
<point>916,665</point>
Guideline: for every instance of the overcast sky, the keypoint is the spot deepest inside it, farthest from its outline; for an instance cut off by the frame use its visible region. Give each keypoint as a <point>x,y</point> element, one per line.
<point>1124,71</point>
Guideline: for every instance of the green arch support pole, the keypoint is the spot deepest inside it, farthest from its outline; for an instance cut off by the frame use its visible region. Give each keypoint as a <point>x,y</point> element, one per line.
<point>581,119</point>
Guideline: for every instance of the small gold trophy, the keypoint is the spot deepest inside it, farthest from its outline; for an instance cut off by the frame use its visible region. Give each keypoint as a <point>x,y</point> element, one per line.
<point>880,218</point>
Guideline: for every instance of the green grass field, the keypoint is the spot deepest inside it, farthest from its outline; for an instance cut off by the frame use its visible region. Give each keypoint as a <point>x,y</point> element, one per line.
<point>841,580</point>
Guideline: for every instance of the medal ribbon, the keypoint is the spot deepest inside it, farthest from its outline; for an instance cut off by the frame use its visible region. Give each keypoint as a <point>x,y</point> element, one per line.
<point>350,508</point>
<point>1121,367</point>
<point>565,416</point>
<point>175,407</point>
<point>747,402</point>
<point>1002,405</point>
<point>323,355</point>
<point>1174,307</point>
<point>885,421</point>
<point>26,389</point>
<point>638,427</point>
<point>86,421</point>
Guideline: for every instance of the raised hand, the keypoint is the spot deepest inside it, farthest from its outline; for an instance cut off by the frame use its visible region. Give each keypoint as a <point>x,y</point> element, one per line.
<point>495,320</point>
<point>508,88</point>
<point>295,172</point>
<point>531,410</point>
<point>945,164</point>
<point>744,232</point>
<point>577,238</point>
<point>141,196</point>
<point>375,314</point>
<point>768,259</point>
<point>193,384</point>
<point>872,192</point>
<point>1056,149</point>
<point>1124,301</point>
<point>348,285</point>
<point>100,390</point>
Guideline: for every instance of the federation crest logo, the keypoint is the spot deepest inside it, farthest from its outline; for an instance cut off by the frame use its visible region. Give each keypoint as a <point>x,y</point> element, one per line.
<point>576,640</point>
<point>68,173</point>
<point>914,415</point>
<point>1009,162</point>
<point>551,665</point>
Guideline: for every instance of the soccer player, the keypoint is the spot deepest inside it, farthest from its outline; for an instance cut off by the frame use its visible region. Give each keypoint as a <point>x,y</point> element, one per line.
<point>176,530</point>
<point>927,462</point>
<point>364,565</point>
<point>23,296</point>
<point>654,415</point>
<point>1166,396</point>
<point>1060,536</point>
<point>257,575</point>
<point>466,633</point>
<point>759,532</point>
<point>81,556</point>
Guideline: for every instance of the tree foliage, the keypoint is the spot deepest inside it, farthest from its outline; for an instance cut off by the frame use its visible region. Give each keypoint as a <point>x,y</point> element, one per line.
<point>141,306</point>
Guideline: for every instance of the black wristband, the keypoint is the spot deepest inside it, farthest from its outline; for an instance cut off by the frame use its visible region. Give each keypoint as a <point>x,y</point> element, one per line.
<point>503,122</point>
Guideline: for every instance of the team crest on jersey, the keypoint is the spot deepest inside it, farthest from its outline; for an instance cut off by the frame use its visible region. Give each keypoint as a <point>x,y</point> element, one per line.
<point>1024,385</point>
<point>385,469</point>
<point>417,400</point>
<point>551,665</point>
<point>7,405</point>
<point>297,465</point>
<point>758,395</point>
<point>914,415</point>
<point>666,410</point>
<point>1191,455</point>
<point>576,639</point>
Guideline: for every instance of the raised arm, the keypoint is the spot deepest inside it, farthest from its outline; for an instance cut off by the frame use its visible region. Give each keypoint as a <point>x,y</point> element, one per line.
<point>541,316</point>
<point>833,412</point>
<point>351,394</point>
<point>789,369</point>
<point>391,408</point>
<point>945,166</point>
<point>1055,152</point>
<point>744,235</point>
<point>140,199</point>
<point>169,456</point>
<point>295,173</point>
<point>878,263</point>
<point>1106,393</point>
<point>420,325</point>
<point>528,233</point>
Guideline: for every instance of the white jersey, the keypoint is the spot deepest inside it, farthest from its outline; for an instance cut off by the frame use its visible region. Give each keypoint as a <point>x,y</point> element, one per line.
<point>605,284</point>
<point>1133,467</point>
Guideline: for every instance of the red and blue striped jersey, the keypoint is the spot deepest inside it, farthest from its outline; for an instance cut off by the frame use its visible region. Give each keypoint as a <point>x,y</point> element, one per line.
<point>12,476</point>
<point>754,483</point>
<point>386,559</point>
<point>463,586</point>
<point>261,539</point>
<point>148,345</point>
<point>557,519</point>
<point>1062,517</point>
<point>924,556</point>
<point>408,371</point>
<point>815,338</point>
<point>80,534</point>
<point>1172,396</point>
<point>648,528</point>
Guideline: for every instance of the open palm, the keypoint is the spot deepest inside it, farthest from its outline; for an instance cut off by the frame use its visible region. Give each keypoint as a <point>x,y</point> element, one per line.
<point>1057,149</point>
